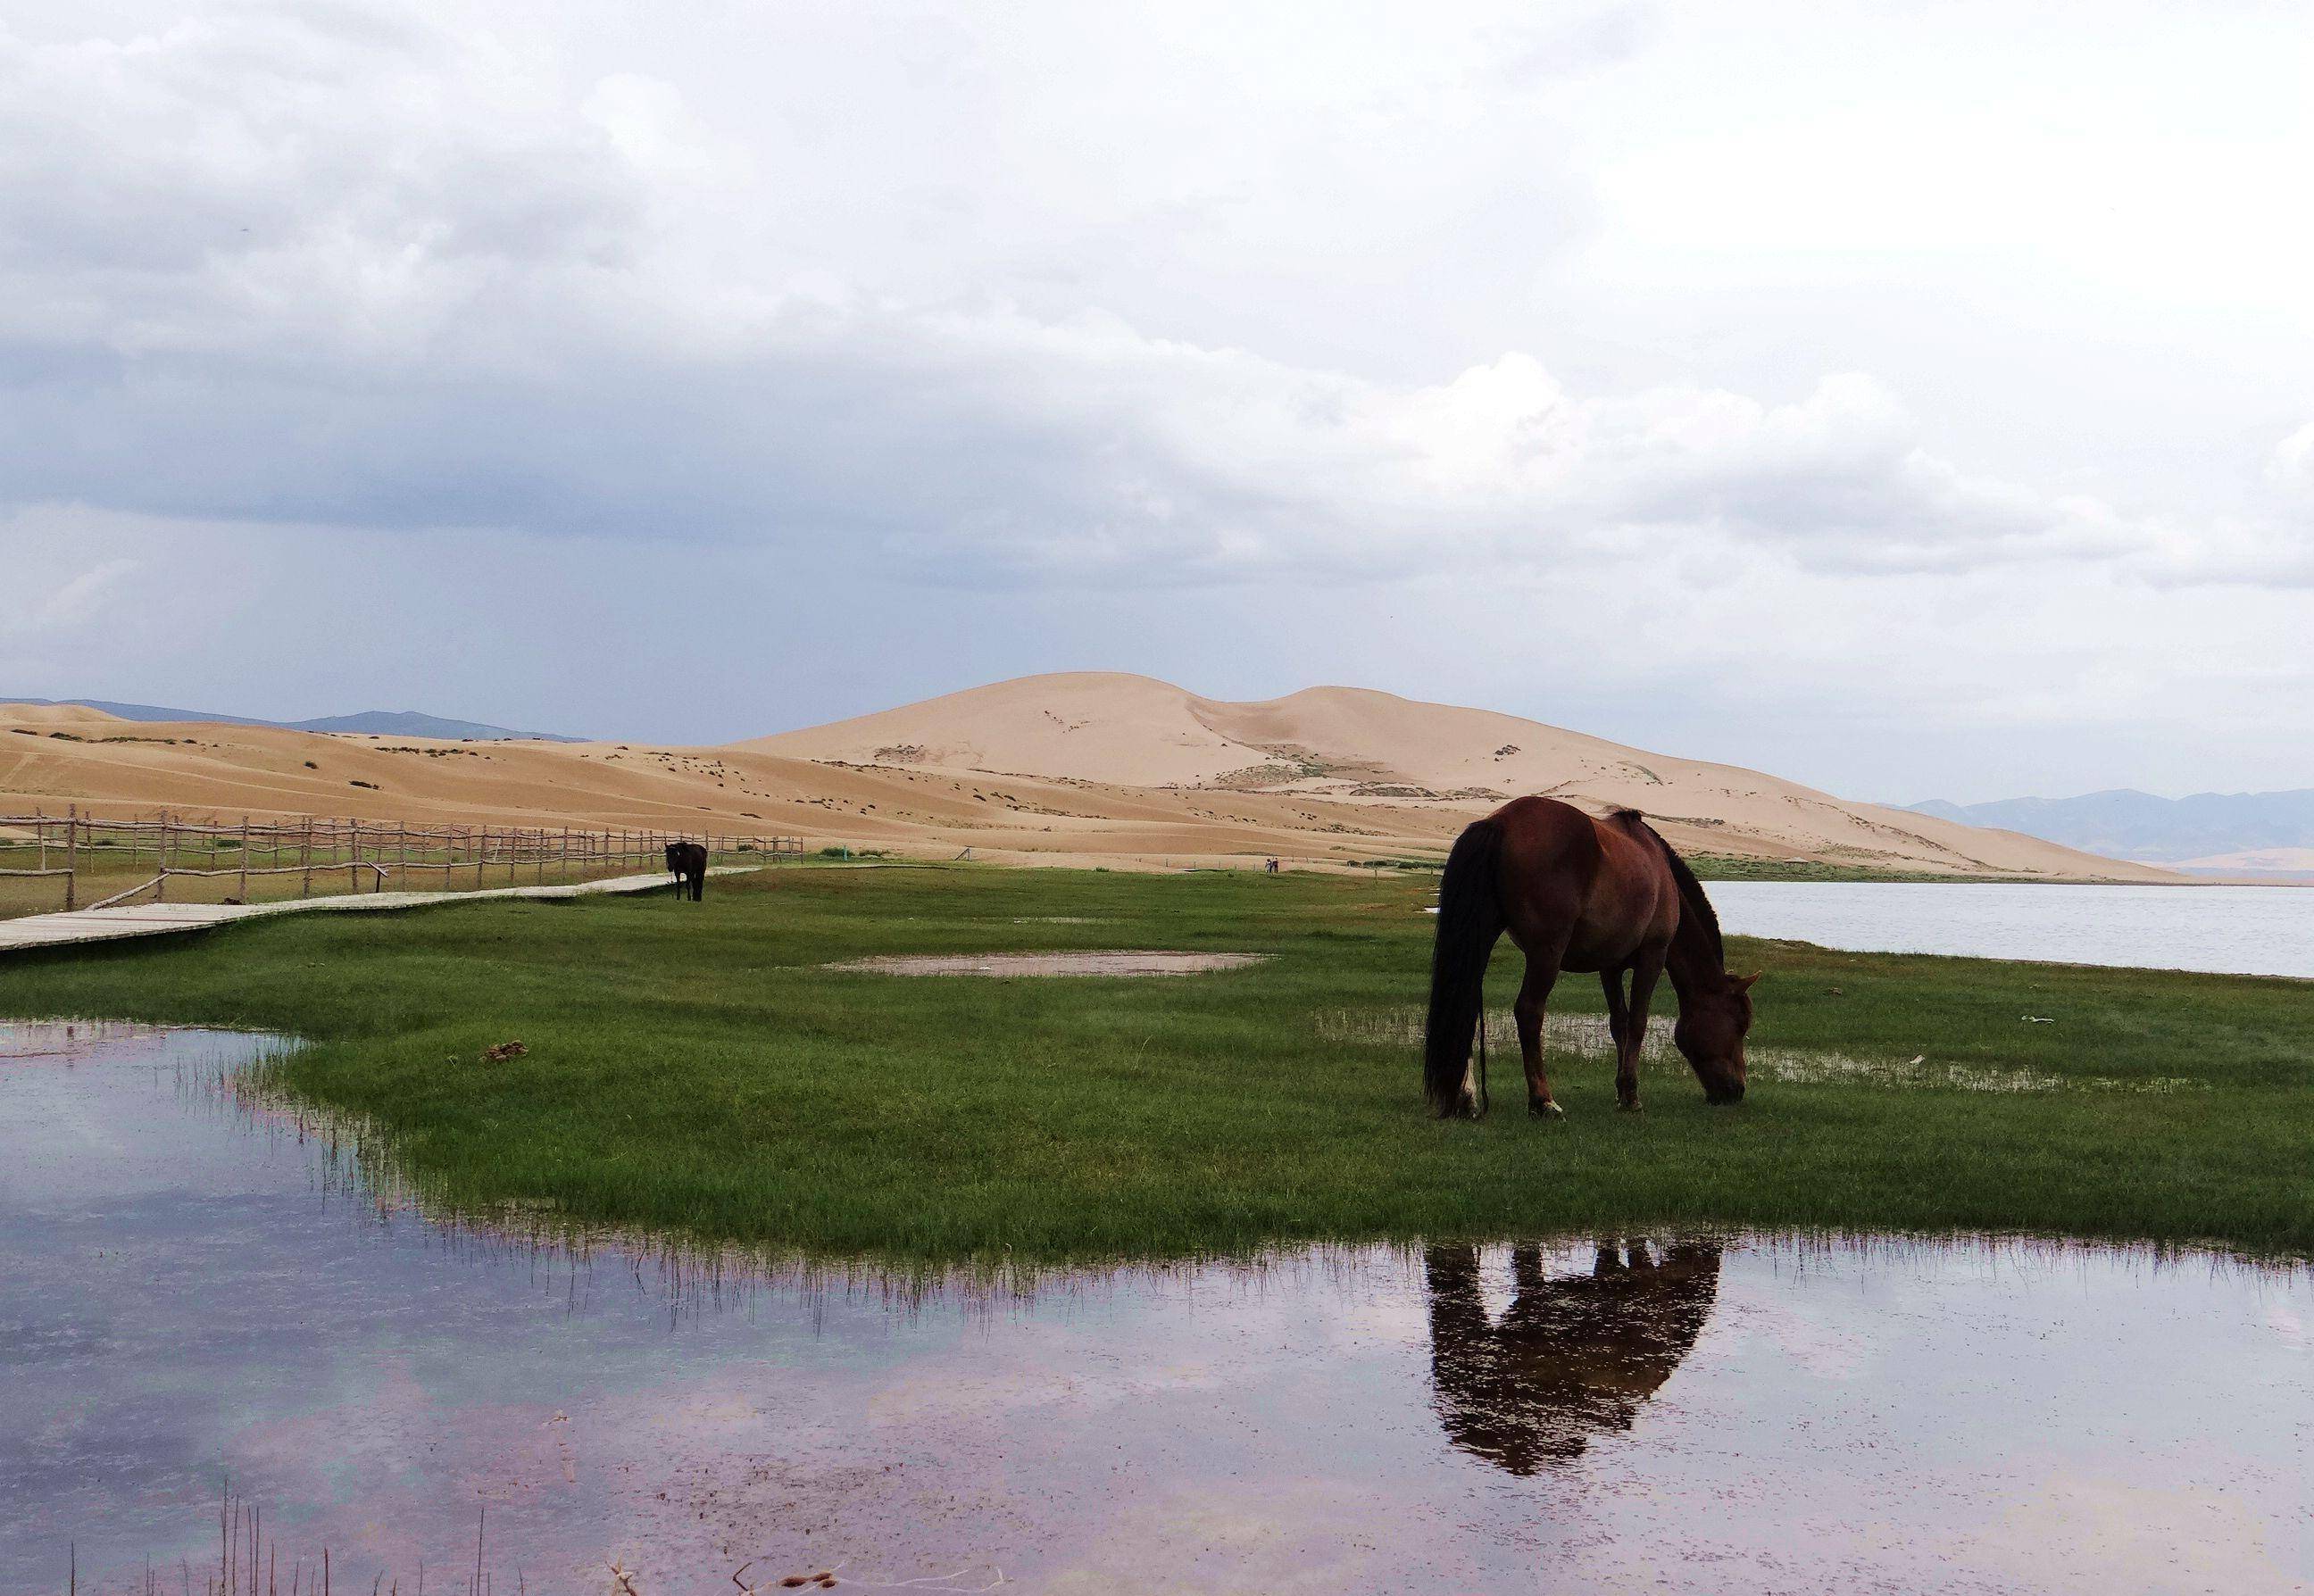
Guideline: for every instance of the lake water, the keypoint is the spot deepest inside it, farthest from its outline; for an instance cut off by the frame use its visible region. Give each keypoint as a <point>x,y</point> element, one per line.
<point>2244,930</point>
<point>198,1286</point>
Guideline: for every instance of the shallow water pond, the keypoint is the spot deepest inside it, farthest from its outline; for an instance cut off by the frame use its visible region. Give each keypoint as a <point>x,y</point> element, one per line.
<point>2240,931</point>
<point>198,1287</point>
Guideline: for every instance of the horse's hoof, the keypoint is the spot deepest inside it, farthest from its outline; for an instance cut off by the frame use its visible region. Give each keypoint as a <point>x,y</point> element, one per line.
<point>1545,1109</point>
<point>1633,1106</point>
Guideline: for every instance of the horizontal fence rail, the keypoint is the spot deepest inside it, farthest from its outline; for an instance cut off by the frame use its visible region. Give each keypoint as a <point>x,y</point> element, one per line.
<point>75,845</point>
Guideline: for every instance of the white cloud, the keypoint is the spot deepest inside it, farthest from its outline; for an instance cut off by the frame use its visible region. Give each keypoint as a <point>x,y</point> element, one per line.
<point>1170,298</point>
<point>53,606</point>
<point>81,598</point>
<point>2290,467</point>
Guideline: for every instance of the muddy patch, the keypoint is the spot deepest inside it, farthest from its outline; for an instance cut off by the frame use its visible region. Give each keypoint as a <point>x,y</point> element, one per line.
<point>1016,964</point>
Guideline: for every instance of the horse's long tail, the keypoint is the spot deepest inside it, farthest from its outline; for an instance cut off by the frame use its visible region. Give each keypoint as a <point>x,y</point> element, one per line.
<point>1470,919</point>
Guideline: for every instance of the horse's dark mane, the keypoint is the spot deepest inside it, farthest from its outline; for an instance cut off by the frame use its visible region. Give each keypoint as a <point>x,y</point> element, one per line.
<point>1696,906</point>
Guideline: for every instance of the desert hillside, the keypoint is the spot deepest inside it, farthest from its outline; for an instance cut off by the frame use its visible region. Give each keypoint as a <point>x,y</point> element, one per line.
<point>68,716</point>
<point>1066,767</point>
<point>1391,760</point>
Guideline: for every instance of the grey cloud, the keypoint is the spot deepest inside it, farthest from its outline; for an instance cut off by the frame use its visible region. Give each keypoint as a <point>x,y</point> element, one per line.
<point>370,273</point>
<point>1530,54</point>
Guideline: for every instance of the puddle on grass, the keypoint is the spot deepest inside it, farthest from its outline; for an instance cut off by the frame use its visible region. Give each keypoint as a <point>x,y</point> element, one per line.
<point>199,1286</point>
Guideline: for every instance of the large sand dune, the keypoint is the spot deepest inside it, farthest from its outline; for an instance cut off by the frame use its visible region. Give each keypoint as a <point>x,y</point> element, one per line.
<point>71,716</point>
<point>1390,759</point>
<point>1063,767</point>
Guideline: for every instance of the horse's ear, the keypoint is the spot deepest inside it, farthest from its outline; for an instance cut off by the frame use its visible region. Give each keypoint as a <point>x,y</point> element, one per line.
<point>1745,983</point>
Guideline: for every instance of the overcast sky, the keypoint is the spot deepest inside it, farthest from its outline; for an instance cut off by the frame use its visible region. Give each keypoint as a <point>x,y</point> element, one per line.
<point>1912,398</point>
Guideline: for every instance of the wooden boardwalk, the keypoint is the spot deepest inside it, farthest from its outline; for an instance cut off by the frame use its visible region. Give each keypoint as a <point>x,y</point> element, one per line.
<point>68,930</point>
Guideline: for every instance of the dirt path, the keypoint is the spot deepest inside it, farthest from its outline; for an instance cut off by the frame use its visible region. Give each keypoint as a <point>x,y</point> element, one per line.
<point>164,920</point>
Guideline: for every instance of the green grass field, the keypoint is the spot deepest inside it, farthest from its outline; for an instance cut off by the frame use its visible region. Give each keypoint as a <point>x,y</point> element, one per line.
<point>691,1067</point>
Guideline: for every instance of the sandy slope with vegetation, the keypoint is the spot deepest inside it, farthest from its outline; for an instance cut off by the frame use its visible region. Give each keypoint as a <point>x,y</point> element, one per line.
<point>1047,768</point>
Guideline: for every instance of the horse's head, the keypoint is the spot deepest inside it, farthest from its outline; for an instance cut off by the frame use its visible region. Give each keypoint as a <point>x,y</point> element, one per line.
<point>1710,1034</point>
<point>671,849</point>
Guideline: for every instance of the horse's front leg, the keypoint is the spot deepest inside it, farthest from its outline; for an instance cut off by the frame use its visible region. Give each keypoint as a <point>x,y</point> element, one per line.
<point>1534,992</point>
<point>1645,971</point>
<point>1619,1012</point>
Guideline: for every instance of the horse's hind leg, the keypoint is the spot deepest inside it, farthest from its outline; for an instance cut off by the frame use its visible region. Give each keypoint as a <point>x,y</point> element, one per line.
<point>1535,992</point>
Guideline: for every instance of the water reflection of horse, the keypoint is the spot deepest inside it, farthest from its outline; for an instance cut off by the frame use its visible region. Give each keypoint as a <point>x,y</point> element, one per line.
<point>1572,1357</point>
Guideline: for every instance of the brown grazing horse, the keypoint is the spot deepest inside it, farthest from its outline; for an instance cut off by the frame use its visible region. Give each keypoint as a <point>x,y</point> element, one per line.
<point>1579,894</point>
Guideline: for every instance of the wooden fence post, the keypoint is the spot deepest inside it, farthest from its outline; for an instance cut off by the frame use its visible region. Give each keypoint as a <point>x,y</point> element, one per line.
<point>244,859</point>
<point>161,878</point>
<point>71,857</point>
<point>305,857</point>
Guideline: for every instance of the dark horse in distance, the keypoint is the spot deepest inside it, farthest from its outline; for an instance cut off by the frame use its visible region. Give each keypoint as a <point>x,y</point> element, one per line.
<point>1573,1357</point>
<point>687,863</point>
<point>1587,894</point>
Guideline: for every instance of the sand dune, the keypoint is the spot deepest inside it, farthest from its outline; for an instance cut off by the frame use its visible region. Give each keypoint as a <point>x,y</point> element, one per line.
<point>1116,768</point>
<point>65,715</point>
<point>1390,759</point>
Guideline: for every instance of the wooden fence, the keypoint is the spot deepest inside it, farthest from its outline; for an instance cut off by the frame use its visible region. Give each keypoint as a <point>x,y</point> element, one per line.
<point>73,844</point>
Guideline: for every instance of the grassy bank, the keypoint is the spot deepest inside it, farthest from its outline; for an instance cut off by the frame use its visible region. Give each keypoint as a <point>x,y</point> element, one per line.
<point>691,1066</point>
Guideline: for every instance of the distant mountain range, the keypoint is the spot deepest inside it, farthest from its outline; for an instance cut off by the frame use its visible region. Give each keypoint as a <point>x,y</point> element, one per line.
<point>2210,828</point>
<point>383,723</point>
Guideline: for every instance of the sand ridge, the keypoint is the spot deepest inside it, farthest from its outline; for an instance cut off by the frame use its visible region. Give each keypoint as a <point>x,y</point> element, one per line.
<point>1073,768</point>
<point>1383,755</point>
<point>71,716</point>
